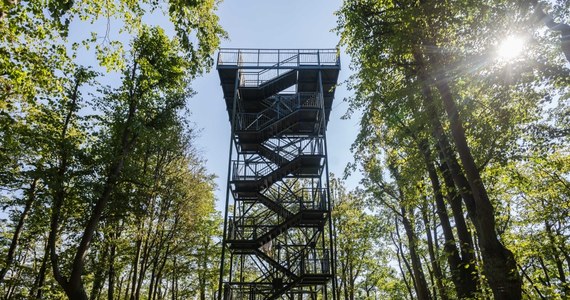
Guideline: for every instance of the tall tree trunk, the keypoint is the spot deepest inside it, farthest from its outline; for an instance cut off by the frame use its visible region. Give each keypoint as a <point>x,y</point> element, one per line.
<point>351,278</point>
<point>37,288</point>
<point>100,275</point>
<point>144,264</point>
<point>457,188</point>
<point>467,267</point>
<point>498,262</point>
<point>31,197</point>
<point>153,274</point>
<point>422,290</point>
<point>174,279</point>
<point>465,285</point>
<point>127,284</point>
<point>111,282</point>
<point>73,288</point>
<point>135,267</point>
<point>73,285</point>
<point>433,258</point>
<point>400,256</point>
<point>204,264</point>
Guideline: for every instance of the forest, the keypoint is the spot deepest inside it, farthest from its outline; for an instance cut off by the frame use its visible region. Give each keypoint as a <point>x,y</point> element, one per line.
<point>463,149</point>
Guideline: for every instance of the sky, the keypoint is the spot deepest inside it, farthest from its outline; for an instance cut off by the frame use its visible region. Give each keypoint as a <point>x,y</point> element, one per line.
<point>273,24</point>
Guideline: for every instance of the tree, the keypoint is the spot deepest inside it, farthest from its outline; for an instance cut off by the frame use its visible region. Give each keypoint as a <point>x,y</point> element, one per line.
<point>69,164</point>
<point>425,70</point>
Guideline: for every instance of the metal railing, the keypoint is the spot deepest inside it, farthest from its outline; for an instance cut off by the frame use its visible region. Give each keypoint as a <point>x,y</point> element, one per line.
<point>283,106</point>
<point>255,170</point>
<point>278,58</point>
<point>247,228</point>
<point>252,291</point>
<point>316,262</point>
<point>253,227</point>
<point>289,150</point>
<point>299,199</point>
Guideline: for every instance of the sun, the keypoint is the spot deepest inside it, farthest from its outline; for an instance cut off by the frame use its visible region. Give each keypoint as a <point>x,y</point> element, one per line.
<point>510,47</point>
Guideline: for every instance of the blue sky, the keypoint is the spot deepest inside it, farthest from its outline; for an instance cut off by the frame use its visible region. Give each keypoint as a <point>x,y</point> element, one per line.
<point>271,24</point>
<point>274,24</point>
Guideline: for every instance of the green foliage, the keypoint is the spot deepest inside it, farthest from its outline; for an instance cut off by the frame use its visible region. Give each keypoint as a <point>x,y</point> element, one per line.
<point>87,169</point>
<point>401,51</point>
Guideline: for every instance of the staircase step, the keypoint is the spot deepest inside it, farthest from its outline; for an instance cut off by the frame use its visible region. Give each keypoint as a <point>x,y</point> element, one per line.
<point>269,87</point>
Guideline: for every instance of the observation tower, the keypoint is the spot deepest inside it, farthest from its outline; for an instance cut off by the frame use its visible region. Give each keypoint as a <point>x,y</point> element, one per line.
<point>278,241</point>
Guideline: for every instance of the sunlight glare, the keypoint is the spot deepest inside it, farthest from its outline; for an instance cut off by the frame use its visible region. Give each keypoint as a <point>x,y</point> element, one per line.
<point>510,47</point>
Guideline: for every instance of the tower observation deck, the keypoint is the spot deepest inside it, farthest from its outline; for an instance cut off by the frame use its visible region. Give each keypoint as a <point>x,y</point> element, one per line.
<point>278,241</point>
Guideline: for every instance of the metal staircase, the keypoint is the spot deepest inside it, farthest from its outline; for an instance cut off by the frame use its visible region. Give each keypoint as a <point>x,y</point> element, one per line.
<point>277,238</point>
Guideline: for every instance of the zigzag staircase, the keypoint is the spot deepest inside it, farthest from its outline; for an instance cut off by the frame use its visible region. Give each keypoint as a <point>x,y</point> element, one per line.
<point>281,207</point>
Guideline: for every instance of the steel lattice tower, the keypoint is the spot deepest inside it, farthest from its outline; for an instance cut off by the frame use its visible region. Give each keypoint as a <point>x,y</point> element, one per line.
<point>278,236</point>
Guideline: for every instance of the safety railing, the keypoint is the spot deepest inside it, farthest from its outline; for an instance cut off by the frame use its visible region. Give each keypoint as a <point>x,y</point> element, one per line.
<point>316,261</point>
<point>297,147</point>
<point>278,58</point>
<point>246,228</point>
<point>294,201</point>
<point>256,170</point>
<point>250,291</point>
<point>246,170</point>
<point>255,225</point>
<point>311,199</point>
<point>301,199</point>
<point>283,106</point>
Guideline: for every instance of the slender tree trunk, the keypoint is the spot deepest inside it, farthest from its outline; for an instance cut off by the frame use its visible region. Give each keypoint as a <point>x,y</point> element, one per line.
<point>433,258</point>
<point>151,288</point>
<point>135,267</point>
<point>467,267</point>
<point>400,256</point>
<point>499,264</point>
<point>144,264</point>
<point>37,288</point>
<point>73,285</point>
<point>11,286</point>
<point>556,256</point>
<point>351,278</point>
<point>421,284</point>
<point>73,288</point>
<point>111,282</point>
<point>174,278</point>
<point>100,275</point>
<point>160,270</point>
<point>345,277</point>
<point>127,284</point>
<point>464,284</point>
<point>31,196</point>
<point>204,269</point>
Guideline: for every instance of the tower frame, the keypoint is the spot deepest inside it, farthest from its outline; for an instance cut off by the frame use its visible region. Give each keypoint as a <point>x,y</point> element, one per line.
<point>278,242</point>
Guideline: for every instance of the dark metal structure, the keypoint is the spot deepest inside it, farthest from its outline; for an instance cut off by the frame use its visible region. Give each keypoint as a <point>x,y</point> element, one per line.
<point>278,239</point>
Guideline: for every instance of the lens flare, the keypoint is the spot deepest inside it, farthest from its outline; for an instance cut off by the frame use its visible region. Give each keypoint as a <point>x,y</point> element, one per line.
<point>510,47</point>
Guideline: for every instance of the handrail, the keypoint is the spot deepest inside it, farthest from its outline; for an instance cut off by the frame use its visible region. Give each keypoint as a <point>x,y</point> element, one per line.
<point>267,58</point>
<point>285,105</point>
<point>315,261</point>
<point>259,77</point>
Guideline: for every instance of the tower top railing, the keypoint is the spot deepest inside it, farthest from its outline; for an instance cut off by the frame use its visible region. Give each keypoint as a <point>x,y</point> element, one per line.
<point>277,58</point>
